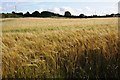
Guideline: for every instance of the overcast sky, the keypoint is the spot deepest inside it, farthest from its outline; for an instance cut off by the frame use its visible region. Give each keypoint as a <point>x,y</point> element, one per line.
<point>76,7</point>
<point>59,0</point>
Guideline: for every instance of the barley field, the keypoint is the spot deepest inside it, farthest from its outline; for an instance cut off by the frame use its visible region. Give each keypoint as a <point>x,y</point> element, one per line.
<point>60,48</point>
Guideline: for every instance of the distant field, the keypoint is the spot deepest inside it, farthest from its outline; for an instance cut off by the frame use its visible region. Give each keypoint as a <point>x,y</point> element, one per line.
<point>60,48</point>
<point>44,25</point>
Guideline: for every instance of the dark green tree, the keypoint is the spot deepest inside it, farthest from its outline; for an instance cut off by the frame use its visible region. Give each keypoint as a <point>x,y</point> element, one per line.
<point>81,15</point>
<point>27,14</point>
<point>67,14</point>
<point>36,14</point>
<point>47,14</point>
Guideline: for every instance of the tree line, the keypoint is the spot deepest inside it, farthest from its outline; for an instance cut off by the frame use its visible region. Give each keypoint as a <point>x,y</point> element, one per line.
<point>45,14</point>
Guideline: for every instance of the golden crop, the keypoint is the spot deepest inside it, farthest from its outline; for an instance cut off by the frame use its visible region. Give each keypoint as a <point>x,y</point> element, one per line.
<point>60,48</point>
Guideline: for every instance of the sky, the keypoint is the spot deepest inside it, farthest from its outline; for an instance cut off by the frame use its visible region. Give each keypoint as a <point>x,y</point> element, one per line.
<point>76,7</point>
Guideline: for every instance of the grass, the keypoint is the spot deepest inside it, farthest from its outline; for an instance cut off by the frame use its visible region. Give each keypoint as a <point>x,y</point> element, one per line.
<point>60,48</point>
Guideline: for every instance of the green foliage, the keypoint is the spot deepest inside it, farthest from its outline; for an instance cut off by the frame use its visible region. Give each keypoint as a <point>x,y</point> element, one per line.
<point>9,15</point>
<point>67,14</point>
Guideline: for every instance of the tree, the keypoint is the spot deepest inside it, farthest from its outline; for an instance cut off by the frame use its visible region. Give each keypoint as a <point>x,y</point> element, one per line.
<point>27,14</point>
<point>46,14</point>
<point>81,15</point>
<point>13,12</point>
<point>67,14</point>
<point>112,15</point>
<point>20,14</point>
<point>117,15</point>
<point>36,14</point>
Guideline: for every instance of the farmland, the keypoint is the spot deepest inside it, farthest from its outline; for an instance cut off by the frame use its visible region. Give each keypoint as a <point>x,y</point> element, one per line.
<point>60,48</point>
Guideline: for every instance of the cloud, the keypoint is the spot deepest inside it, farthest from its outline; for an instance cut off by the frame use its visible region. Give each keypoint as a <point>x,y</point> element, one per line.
<point>88,8</point>
<point>0,8</point>
<point>8,6</point>
<point>56,10</point>
<point>59,1</point>
<point>62,10</point>
<point>77,11</point>
<point>74,11</point>
<point>91,11</point>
